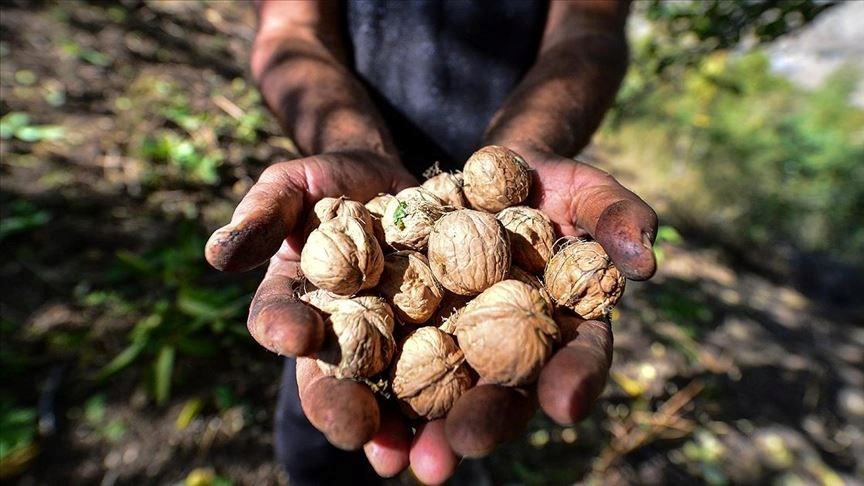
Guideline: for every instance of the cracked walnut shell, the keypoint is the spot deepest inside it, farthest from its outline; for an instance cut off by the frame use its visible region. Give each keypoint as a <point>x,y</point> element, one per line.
<point>531,236</point>
<point>469,251</point>
<point>494,178</point>
<point>359,340</point>
<point>507,333</point>
<point>376,207</point>
<point>429,374</point>
<point>408,284</point>
<point>582,277</point>
<point>409,218</point>
<point>340,256</point>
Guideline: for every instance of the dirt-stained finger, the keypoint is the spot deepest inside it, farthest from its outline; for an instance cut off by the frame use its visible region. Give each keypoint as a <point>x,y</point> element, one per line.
<point>576,375</point>
<point>388,450</point>
<point>432,459</point>
<point>486,416</point>
<point>344,411</point>
<point>278,320</point>
<point>262,220</point>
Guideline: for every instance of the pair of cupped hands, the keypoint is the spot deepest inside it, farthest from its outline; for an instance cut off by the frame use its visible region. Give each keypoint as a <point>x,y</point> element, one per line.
<point>268,224</point>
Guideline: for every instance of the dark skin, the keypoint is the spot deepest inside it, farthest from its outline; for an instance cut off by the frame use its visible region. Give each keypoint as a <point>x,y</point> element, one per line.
<point>298,61</point>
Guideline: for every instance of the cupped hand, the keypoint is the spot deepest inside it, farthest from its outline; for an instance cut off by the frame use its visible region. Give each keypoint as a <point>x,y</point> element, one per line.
<point>578,198</point>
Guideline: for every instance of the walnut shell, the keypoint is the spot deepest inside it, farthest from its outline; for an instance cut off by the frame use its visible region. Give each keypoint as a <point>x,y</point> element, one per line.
<point>429,374</point>
<point>517,273</point>
<point>408,284</point>
<point>582,277</point>
<point>359,339</point>
<point>334,207</point>
<point>507,333</point>
<point>448,187</point>
<point>448,312</point>
<point>495,177</point>
<point>341,257</point>
<point>531,236</point>
<point>376,207</point>
<point>469,251</point>
<point>409,218</point>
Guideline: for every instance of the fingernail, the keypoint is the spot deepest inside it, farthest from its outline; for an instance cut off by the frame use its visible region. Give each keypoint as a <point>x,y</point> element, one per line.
<point>647,240</point>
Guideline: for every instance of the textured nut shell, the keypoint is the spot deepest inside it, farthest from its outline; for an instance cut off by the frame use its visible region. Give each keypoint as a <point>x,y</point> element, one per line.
<point>507,334</point>
<point>334,207</point>
<point>517,273</point>
<point>448,312</point>
<point>376,207</point>
<point>319,299</point>
<point>429,374</point>
<point>341,257</point>
<point>469,251</point>
<point>582,277</point>
<point>359,341</point>
<point>531,236</point>
<point>448,187</point>
<point>409,218</point>
<point>495,177</point>
<point>408,284</point>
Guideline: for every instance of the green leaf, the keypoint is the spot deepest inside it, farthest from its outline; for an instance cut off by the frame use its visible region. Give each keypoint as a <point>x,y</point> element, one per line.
<point>17,429</point>
<point>122,360</point>
<point>38,133</point>
<point>163,369</point>
<point>191,409</point>
<point>94,409</point>
<point>400,214</point>
<point>13,121</point>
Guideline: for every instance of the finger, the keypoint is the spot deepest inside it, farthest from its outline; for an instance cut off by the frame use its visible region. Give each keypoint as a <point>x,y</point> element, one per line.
<point>388,450</point>
<point>617,218</point>
<point>432,460</point>
<point>576,375</point>
<point>486,416</point>
<point>277,319</point>
<point>261,221</point>
<point>345,411</point>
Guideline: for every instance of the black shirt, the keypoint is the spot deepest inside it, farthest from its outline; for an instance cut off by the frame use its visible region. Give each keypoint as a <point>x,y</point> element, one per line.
<point>439,69</point>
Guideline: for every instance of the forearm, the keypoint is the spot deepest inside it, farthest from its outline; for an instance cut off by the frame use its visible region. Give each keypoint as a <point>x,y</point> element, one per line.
<point>562,100</point>
<point>299,64</point>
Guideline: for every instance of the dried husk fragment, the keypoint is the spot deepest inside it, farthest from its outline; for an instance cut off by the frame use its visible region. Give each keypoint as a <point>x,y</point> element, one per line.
<point>408,284</point>
<point>359,339</point>
<point>340,256</point>
<point>429,374</point>
<point>469,251</point>
<point>448,187</point>
<point>409,217</point>
<point>507,333</point>
<point>531,236</point>
<point>494,178</point>
<point>582,278</point>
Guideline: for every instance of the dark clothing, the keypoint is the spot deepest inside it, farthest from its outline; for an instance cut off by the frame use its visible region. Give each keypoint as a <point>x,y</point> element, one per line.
<point>439,70</point>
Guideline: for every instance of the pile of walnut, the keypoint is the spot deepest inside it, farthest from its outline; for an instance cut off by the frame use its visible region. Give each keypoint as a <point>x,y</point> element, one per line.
<point>447,283</point>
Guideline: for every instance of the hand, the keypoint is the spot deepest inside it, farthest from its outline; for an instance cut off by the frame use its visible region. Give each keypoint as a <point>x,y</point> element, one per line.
<point>579,199</point>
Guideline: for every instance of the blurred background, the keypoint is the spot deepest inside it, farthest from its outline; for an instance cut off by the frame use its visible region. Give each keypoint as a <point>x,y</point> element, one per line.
<point>129,131</point>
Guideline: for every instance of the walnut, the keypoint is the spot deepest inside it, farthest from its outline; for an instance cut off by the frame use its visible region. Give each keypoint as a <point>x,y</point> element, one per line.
<point>334,207</point>
<point>409,218</point>
<point>531,236</point>
<point>448,311</point>
<point>582,277</point>
<point>507,333</point>
<point>517,273</point>
<point>408,284</point>
<point>359,339</point>
<point>495,177</point>
<point>341,257</point>
<point>448,187</point>
<point>429,374</point>
<point>376,207</point>
<point>469,251</point>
